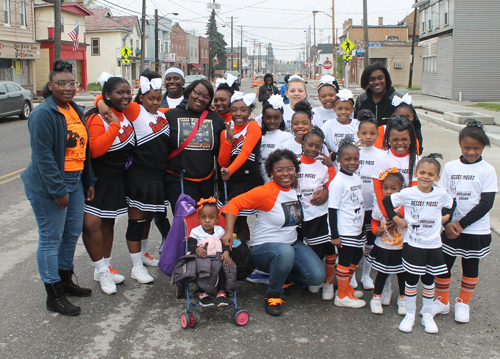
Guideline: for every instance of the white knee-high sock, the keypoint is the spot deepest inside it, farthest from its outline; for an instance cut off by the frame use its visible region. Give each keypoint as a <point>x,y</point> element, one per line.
<point>366,265</point>
<point>144,246</point>
<point>411,298</point>
<point>428,298</point>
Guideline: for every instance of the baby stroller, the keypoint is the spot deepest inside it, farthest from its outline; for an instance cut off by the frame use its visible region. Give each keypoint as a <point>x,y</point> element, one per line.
<point>189,318</point>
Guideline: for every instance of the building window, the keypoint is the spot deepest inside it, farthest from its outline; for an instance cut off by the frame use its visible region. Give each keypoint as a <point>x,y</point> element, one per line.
<point>137,44</point>
<point>165,47</point>
<point>430,25</point>
<point>422,28</point>
<point>22,12</point>
<point>94,43</point>
<point>62,24</point>
<point>430,64</point>
<point>392,38</point>
<point>446,9</point>
<point>6,12</point>
<point>132,44</point>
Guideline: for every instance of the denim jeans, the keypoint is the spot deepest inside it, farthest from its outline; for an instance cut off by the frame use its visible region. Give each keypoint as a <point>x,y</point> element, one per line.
<point>296,262</point>
<point>58,229</point>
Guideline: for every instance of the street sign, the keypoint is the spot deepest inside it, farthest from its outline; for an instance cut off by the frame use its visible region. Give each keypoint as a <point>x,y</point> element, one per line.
<point>347,46</point>
<point>327,65</point>
<point>375,44</point>
<point>125,51</point>
<point>125,62</point>
<point>235,64</point>
<point>347,57</point>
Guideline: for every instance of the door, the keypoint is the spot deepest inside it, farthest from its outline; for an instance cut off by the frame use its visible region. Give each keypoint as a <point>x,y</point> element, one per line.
<point>15,97</point>
<point>3,100</point>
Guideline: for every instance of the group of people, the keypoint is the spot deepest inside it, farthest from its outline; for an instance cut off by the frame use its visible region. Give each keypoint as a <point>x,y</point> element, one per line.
<point>338,183</point>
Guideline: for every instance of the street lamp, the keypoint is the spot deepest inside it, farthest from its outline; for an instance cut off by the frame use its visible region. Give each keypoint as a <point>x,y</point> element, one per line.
<point>315,49</point>
<point>157,61</point>
<point>334,42</point>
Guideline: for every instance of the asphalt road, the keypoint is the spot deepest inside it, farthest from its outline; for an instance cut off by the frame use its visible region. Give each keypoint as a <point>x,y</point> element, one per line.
<point>143,321</point>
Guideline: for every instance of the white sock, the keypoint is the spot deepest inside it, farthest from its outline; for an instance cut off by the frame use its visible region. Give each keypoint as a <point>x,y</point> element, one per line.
<point>411,304</point>
<point>144,246</point>
<point>367,266</point>
<point>100,265</point>
<point>136,259</point>
<point>388,284</point>
<point>428,298</point>
<point>108,261</point>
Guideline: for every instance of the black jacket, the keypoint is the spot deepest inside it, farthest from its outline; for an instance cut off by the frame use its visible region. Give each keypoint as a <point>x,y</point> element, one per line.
<point>263,95</point>
<point>384,109</point>
<point>164,101</point>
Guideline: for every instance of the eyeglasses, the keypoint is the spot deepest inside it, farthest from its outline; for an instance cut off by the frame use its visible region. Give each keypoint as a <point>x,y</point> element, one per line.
<point>280,171</point>
<point>63,84</point>
<point>199,94</point>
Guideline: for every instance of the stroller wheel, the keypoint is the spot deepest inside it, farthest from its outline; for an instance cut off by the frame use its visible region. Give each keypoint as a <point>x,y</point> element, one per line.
<point>193,319</point>
<point>185,322</point>
<point>179,290</point>
<point>241,317</point>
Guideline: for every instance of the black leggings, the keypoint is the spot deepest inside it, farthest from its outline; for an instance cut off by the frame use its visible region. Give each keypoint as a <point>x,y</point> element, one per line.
<point>381,279</point>
<point>470,267</point>
<point>412,279</point>
<point>323,249</point>
<point>350,255</point>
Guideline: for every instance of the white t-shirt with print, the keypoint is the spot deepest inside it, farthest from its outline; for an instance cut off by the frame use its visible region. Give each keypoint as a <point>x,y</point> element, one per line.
<point>270,142</point>
<point>465,183</point>
<point>387,159</point>
<point>296,148</point>
<point>335,132</point>
<point>367,156</point>
<point>311,178</point>
<point>423,215</point>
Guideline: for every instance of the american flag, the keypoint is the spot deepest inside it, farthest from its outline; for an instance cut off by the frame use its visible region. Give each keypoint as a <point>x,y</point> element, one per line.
<point>216,59</point>
<point>73,34</point>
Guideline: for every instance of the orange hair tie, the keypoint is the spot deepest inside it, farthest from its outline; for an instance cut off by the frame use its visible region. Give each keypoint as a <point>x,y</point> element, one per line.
<point>202,201</point>
<point>390,170</point>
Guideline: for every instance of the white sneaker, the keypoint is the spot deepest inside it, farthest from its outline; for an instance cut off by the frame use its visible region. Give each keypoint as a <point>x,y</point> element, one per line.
<point>461,311</point>
<point>349,302</point>
<point>429,323</point>
<point>142,275</point>
<point>407,323</point>
<point>439,307</point>
<point>386,297</point>
<point>314,288</point>
<point>148,260</point>
<point>356,293</point>
<point>117,278</point>
<point>328,292</point>
<point>402,306</point>
<point>367,283</point>
<point>376,305</point>
<point>353,283</point>
<point>108,286</point>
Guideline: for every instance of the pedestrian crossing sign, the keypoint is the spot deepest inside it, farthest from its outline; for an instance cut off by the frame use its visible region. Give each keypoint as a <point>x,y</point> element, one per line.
<point>125,51</point>
<point>347,57</point>
<point>126,62</point>
<point>347,46</point>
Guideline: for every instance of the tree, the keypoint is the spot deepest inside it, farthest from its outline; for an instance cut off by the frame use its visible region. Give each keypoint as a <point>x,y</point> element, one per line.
<point>216,43</point>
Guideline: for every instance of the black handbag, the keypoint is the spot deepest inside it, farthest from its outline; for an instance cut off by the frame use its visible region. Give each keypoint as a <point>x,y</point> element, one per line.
<point>241,257</point>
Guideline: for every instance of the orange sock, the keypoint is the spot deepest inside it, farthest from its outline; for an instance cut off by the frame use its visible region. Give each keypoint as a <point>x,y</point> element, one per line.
<point>442,289</point>
<point>330,268</point>
<point>467,288</point>
<point>342,281</point>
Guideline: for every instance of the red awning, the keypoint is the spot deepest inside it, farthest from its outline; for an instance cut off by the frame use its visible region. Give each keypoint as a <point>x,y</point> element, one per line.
<point>196,66</point>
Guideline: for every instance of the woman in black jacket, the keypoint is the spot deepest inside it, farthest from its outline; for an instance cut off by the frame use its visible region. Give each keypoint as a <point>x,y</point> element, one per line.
<point>378,95</point>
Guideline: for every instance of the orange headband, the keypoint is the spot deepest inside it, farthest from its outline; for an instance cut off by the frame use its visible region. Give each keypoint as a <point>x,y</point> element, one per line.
<point>203,201</point>
<point>390,170</point>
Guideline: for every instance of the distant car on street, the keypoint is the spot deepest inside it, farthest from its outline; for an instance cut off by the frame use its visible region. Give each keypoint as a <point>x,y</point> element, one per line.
<point>192,78</point>
<point>14,100</point>
<point>280,82</point>
<point>235,74</point>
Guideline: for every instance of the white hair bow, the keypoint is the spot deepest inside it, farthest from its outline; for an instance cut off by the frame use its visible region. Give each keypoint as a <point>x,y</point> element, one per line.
<point>396,100</point>
<point>146,85</point>
<point>327,79</point>
<point>276,101</point>
<point>105,77</point>
<point>229,81</point>
<point>248,98</point>
<point>345,95</point>
<point>295,77</point>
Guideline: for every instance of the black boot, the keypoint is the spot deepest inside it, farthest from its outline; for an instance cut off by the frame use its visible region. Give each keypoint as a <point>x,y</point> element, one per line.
<point>273,304</point>
<point>69,287</point>
<point>57,302</point>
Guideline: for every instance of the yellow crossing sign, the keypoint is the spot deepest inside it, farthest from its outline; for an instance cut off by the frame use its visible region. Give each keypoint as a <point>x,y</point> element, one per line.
<point>125,62</point>
<point>347,57</point>
<point>347,46</point>
<point>125,51</point>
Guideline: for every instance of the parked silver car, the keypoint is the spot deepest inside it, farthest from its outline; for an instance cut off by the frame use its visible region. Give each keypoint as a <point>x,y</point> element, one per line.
<point>14,100</point>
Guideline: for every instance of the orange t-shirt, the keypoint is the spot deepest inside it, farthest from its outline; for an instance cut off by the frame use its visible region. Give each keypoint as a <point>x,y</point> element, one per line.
<point>77,140</point>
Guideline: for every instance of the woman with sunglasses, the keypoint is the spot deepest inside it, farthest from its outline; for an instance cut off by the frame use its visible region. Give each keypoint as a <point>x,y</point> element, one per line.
<point>274,247</point>
<point>57,182</point>
<point>194,141</point>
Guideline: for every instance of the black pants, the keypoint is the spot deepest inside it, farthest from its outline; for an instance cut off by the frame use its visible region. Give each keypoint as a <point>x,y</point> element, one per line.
<point>381,279</point>
<point>350,255</point>
<point>324,249</point>
<point>470,267</point>
<point>196,190</point>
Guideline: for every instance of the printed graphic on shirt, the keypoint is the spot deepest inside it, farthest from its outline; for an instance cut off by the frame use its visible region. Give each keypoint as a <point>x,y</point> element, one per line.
<point>76,140</point>
<point>293,213</point>
<point>203,140</point>
<point>358,213</point>
<point>417,224</point>
<point>366,178</point>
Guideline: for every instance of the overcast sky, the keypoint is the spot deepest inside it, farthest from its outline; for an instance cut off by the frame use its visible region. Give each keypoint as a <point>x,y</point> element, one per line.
<point>267,20</point>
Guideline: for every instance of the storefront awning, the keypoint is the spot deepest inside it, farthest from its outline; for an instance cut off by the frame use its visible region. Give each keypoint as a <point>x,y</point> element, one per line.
<point>196,66</point>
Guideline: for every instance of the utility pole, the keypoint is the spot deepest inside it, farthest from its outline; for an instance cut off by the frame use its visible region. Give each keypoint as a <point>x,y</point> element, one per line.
<point>334,42</point>
<point>157,65</point>
<point>231,65</point>
<point>241,53</point>
<point>410,80</point>
<point>57,30</point>
<point>143,34</point>
<point>315,49</point>
<point>365,32</point>
<point>258,64</point>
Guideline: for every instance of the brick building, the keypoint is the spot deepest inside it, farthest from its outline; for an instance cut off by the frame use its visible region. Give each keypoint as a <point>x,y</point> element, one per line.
<point>179,47</point>
<point>204,53</point>
<point>389,45</point>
